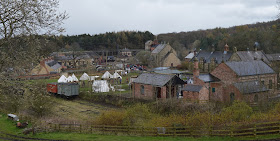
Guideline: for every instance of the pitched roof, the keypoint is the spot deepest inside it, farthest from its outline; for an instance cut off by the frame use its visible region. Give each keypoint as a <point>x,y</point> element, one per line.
<point>252,55</point>
<point>190,55</point>
<point>250,68</point>
<point>159,48</point>
<point>273,57</point>
<point>157,79</point>
<point>192,88</point>
<point>208,78</point>
<point>218,56</point>
<point>168,71</point>
<point>250,87</point>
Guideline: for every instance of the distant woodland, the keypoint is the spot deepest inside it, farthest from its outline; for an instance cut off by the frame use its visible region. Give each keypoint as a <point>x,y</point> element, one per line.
<point>266,34</point>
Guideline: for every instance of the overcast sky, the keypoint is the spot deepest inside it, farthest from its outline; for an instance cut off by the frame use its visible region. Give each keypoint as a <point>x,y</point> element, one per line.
<point>162,16</point>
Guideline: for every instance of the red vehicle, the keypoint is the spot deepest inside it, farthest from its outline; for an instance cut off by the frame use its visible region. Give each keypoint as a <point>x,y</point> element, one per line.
<point>52,88</point>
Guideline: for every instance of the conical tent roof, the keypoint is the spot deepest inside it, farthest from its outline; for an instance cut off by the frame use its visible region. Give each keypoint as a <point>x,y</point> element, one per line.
<point>106,75</point>
<point>100,86</point>
<point>84,77</point>
<point>62,79</point>
<point>70,79</point>
<point>116,75</point>
<point>74,78</point>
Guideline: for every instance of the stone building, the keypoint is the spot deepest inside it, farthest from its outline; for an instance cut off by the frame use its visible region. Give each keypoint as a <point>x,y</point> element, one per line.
<point>165,56</point>
<point>250,81</point>
<point>248,55</point>
<point>209,60</point>
<point>152,86</point>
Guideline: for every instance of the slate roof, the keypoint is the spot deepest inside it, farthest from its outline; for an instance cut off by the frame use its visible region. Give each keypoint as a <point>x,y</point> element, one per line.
<point>250,87</point>
<point>157,79</point>
<point>192,88</point>
<point>53,64</point>
<point>208,78</point>
<point>168,71</point>
<point>159,48</point>
<point>273,57</point>
<point>190,56</point>
<point>218,56</point>
<point>252,55</point>
<point>250,68</point>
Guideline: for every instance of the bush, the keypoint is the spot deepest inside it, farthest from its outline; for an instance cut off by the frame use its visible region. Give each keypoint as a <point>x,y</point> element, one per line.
<point>112,117</point>
<point>138,114</point>
<point>238,111</point>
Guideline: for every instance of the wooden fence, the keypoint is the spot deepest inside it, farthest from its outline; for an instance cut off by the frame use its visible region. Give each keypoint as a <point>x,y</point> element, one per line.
<point>251,130</point>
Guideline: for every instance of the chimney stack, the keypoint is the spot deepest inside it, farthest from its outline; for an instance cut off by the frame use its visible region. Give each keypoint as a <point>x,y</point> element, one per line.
<point>226,49</point>
<point>195,69</point>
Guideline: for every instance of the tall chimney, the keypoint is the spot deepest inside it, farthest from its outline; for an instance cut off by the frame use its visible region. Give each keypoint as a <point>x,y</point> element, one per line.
<point>226,49</point>
<point>195,69</point>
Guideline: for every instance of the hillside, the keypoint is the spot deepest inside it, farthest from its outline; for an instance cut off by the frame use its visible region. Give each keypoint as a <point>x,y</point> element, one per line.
<point>242,37</point>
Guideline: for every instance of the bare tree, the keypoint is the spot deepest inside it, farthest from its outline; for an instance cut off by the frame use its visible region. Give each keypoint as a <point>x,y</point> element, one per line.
<point>20,48</point>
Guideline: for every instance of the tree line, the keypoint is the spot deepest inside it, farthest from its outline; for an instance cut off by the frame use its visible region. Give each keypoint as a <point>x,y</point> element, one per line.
<point>265,34</point>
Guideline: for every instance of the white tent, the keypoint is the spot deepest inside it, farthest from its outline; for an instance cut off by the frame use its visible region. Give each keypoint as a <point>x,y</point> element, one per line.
<point>107,75</point>
<point>100,86</point>
<point>74,78</point>
<point>91,78</point>
<point>116,75</point>
<point>62,79</point>
<point>84,77</point>
<point>70,79</point>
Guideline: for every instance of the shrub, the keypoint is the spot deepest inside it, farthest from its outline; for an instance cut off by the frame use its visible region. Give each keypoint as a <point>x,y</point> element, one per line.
<point>138,114</point>
<point>238,111</point>
<point>112,117</point>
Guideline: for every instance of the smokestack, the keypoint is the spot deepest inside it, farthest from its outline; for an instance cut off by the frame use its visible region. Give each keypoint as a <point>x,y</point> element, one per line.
<point>226,49</point>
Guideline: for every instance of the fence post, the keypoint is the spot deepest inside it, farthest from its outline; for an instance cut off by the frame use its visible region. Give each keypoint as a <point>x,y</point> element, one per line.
<point>210,131</point>
<point>231,131</point>
<point>103,129</point>
<point>255,130</point>
<point>142,131</point>
<point>59,127</point>
<point>174,130</point>
<point>70,128</point>
<point>80,128</point>
<point>91,129</point>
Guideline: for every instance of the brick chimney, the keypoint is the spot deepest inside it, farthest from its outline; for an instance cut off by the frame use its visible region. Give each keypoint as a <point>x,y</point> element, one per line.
<point>195,70</point>
<point>226,49</point>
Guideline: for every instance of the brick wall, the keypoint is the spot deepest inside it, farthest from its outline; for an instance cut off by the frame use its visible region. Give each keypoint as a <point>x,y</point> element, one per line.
<point>225,74</point>
<point>148,92</point>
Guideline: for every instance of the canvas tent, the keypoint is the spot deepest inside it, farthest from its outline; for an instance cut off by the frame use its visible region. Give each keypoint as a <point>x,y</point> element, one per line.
<point>70,79</point>
<point>84,77</point>
<point>75,79</point>
<point>107,75</point>
<point>116,75</point>
<point>62,79</point>
<point>100,86</point>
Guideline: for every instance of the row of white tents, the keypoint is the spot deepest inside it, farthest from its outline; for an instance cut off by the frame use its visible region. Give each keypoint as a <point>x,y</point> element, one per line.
<point>97,85</point>
<point>107,75</point>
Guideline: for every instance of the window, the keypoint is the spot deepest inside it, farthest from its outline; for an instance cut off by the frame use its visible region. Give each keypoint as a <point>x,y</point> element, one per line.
<point>270,84</point>
<point>256,98</point>
<point>231,97</point>
<point>142,89</point>
<point>213,90</point>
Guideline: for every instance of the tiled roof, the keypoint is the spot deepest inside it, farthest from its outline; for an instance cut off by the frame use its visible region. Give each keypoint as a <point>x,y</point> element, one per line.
<point>157,79</point>
<point>159,48</point>
<point>190,55</point>
<point>192,88</point>
<point>273,57</point>
<point>218,56</point>
<point>250,87</point>
<point>208,78</point>
<point>168,71</point>
<point>250,68</point>
<point>252,55</point>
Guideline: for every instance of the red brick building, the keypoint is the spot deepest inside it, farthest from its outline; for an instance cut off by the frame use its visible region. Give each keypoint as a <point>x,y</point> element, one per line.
<point>151,86</point>
<point>250,81</point>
